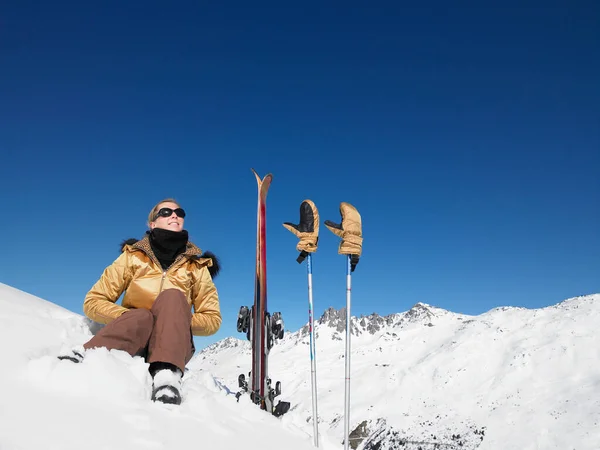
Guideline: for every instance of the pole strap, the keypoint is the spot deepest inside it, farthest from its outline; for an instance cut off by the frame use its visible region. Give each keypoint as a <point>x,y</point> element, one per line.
<point>302,256</point>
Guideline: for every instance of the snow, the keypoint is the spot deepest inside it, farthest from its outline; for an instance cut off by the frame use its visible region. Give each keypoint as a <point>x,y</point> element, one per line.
<point>511,378</point>
<point>103,402</point>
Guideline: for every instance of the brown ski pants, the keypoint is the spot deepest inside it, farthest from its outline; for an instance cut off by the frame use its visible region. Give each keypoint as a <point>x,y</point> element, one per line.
<point>161,334</point>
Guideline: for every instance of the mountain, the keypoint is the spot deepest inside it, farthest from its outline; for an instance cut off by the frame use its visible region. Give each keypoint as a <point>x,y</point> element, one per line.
<point>426,378</point>
<point>511,378</point>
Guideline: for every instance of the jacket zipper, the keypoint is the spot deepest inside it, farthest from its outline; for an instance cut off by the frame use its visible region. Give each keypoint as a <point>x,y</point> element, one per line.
<point>164,275</point>
<point>162,281</point>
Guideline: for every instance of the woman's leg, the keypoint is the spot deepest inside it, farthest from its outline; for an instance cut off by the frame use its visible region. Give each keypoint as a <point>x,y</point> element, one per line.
<point>171,338</point>
<point>129,332</point>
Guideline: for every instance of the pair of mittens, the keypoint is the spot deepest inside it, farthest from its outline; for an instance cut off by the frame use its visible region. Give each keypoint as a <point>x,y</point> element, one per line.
<point>349,230</point>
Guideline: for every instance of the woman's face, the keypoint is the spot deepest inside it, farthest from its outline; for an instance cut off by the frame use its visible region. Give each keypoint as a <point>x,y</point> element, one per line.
<point>172,222</point>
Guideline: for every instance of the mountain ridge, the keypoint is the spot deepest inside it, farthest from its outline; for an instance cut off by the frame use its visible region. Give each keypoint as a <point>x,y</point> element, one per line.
<point>439,377</point>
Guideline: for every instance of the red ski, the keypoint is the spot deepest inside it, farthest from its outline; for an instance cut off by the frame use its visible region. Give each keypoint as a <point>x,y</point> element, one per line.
<point>260,327</point>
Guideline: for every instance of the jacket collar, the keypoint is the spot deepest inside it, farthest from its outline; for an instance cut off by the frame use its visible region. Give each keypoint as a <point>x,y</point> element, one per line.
<point>191,251</point>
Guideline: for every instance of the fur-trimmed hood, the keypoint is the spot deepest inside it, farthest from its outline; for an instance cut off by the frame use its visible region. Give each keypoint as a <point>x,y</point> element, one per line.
<point>213,270</point>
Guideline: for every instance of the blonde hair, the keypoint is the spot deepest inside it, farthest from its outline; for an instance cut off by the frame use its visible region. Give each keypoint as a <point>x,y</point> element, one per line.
<point>155,209</point>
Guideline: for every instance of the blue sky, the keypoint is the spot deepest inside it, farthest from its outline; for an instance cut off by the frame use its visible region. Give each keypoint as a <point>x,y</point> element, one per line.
<point>467,137</point>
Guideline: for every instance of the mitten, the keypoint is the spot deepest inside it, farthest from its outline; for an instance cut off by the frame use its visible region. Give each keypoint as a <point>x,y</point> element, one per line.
<point>350,230</point>
<point>307,230</point>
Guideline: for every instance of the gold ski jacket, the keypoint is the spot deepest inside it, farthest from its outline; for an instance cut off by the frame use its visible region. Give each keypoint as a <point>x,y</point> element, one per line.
<point>138,273</point>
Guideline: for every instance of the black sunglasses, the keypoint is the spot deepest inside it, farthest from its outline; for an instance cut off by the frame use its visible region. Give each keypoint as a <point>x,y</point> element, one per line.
<point>167,212</point>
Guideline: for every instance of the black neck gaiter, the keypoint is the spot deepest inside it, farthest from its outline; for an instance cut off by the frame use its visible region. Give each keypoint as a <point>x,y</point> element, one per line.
<point>167,245</point>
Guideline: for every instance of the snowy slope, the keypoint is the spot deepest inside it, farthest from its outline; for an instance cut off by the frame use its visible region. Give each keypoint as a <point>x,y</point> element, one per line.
<point>511,378</point>
<point>427,378</point>
<point>103,402</point>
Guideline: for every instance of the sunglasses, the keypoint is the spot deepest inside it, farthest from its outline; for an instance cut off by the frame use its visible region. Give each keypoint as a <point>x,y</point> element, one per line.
<point>167,212</point>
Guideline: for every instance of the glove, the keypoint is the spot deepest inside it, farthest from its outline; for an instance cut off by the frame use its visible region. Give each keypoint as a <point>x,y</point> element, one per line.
<point>307,230</point>
<point>350,230</point>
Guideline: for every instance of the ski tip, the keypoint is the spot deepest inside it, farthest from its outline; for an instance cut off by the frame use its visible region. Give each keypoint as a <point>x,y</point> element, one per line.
<point>260,180</point>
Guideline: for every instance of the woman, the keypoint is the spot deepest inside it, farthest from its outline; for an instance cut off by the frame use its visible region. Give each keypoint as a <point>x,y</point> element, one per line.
<point>163,276</point>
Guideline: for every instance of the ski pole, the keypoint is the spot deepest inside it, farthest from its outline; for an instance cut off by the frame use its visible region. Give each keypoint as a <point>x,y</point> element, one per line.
<point>308,232</point>
<point>313,363</point>
<point>347,357</point>
<point>350,230</point>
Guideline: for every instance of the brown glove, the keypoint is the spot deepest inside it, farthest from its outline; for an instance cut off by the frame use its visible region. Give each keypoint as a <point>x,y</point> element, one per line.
<point>350,230</point>
<point>307,230</point>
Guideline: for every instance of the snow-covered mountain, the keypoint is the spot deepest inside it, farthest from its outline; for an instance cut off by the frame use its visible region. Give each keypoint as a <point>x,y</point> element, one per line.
<point>427,378</point>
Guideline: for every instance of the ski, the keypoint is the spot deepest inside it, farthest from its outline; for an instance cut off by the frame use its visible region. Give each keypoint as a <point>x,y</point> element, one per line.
<point>261,328</point>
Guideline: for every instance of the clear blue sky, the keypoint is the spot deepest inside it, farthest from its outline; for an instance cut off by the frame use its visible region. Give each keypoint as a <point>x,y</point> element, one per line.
<point>468,137</point>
